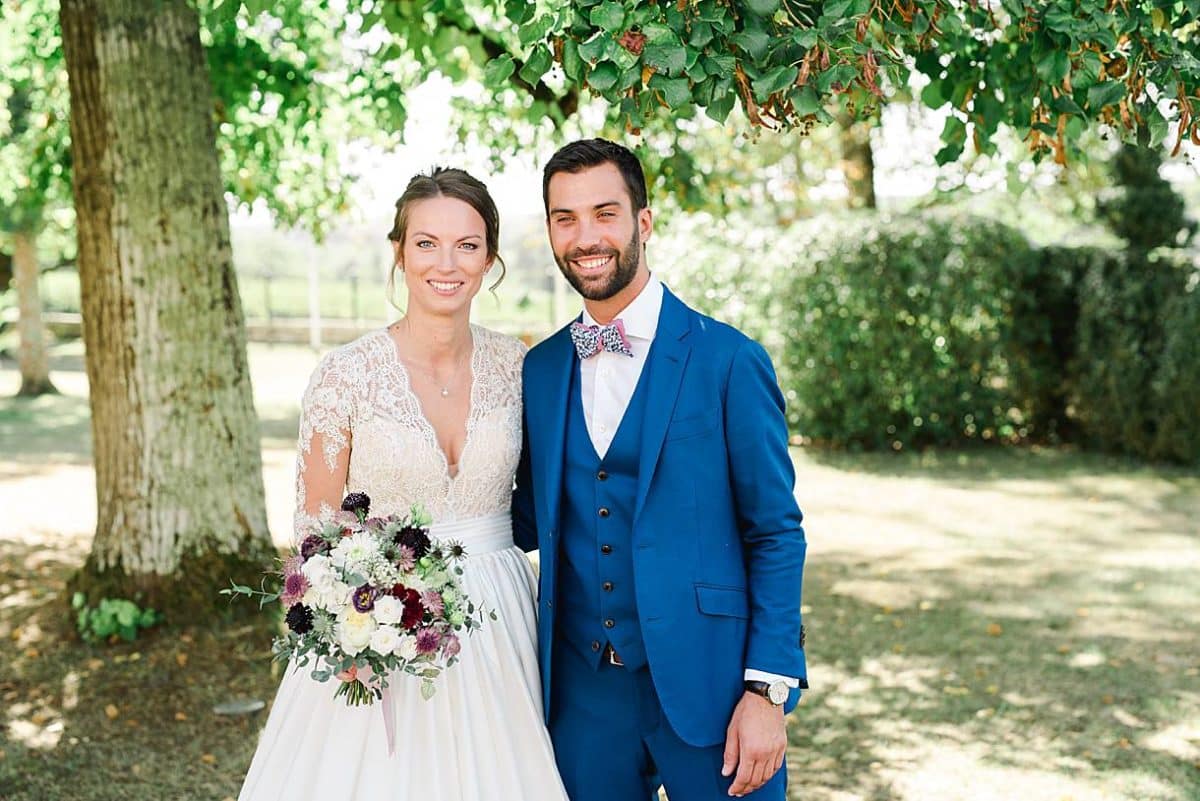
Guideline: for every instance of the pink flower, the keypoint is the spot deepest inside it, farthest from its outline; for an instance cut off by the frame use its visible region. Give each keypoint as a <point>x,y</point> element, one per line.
<point>432,599</point>
<point>405,559</point>
<point>293,565</point>
<point>294,587</point>
<point>451,645</point>
<point>428,641</point>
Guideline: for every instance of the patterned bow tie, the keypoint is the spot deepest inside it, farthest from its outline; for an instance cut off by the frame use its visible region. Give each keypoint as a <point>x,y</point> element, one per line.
<point>591,339</point>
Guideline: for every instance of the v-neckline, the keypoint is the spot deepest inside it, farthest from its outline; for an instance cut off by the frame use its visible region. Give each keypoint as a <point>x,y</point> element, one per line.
<point>425,422</point>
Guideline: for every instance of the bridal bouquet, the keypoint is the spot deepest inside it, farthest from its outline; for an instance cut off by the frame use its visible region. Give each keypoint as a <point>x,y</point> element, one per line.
<point>368,596</point>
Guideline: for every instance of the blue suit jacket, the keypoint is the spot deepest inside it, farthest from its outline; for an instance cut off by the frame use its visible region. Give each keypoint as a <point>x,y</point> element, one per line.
<point>717,542</point>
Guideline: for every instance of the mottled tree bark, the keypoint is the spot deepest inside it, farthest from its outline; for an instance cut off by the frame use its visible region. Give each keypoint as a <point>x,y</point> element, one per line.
<point>858,161</point>
<point>31,349</point>
<point>178,469</point>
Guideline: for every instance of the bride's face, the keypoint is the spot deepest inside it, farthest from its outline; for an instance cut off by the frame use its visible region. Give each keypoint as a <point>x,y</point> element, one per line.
<point>444,255</point>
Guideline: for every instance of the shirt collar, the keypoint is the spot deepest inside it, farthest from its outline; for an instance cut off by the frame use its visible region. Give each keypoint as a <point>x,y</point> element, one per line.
<point>640,317</point>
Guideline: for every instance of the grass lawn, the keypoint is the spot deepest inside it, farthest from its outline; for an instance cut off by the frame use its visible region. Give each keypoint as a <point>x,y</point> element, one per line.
<point>982,626</point>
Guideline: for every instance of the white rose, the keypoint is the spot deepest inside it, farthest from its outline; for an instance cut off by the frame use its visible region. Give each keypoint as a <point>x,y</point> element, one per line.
<point>354,631</point>
<point>388,610</point>
<point>385,640</point>
<point>319,572</point>
<point>407,649</point>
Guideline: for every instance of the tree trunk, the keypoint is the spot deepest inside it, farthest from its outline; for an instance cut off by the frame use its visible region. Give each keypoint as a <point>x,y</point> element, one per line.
<point>858,162</point>
<point>178,469</point>
<point>31,352</point>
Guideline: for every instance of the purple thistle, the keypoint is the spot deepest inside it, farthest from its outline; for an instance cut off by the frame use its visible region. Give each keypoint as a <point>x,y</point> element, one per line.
<point>364,598</point>
<point>432,599</point>
<point>428,641</point>
<point>294,587</point>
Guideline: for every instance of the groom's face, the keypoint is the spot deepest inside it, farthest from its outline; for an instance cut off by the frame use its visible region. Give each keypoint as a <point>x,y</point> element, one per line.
<point>594,233</point>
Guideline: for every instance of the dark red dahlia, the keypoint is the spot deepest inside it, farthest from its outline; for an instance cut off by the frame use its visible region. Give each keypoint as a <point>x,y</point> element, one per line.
<point>414,610</point>
<point>416,539</point>
<point>300,619</point>
<point>356,502</point>
<point>313,545</point>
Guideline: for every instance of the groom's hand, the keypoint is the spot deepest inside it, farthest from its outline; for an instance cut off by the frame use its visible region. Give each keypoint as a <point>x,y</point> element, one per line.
<point>755,743</point>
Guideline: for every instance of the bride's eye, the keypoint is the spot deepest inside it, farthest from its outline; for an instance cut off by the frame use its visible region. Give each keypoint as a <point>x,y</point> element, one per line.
<point>421,243</point>
<point>470,246</point>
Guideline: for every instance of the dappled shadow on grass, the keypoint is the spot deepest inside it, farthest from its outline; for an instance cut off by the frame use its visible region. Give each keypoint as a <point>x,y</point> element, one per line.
<point>1074,688</point>
<point>42,432</point>
<point>127,722</point>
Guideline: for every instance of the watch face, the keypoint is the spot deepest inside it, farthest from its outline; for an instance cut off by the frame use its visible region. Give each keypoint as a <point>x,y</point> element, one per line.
<point>777,693</point>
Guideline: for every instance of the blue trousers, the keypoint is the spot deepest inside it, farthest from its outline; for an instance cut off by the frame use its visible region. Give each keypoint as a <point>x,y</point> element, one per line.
<point>613,742</point>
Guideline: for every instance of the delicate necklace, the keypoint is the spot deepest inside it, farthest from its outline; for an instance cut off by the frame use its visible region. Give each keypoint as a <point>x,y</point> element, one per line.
<point>443,389</point>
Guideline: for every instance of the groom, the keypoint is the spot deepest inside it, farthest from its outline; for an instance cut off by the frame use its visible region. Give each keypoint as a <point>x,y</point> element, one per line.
<point>657,485</point>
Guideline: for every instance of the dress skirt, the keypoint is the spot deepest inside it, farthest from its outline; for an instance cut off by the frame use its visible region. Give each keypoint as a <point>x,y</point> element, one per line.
<point>480,737</point>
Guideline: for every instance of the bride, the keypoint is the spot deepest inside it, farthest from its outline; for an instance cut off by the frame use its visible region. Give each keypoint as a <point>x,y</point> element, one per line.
<point>427,410</point>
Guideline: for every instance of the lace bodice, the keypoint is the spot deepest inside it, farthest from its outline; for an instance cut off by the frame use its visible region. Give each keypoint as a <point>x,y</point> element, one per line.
<point>362,429</point>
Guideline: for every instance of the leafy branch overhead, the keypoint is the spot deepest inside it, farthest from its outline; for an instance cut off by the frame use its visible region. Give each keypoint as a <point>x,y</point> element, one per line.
<point>1046,69</point>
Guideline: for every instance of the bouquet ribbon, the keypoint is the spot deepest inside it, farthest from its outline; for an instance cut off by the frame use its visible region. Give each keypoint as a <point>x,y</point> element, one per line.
<point>388,709</point>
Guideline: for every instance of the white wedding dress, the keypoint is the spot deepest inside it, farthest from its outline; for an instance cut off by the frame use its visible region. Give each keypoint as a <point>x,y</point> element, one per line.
<point>481,736</point>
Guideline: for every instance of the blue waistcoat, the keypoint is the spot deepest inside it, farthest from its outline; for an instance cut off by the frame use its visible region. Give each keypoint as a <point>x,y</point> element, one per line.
<point>595,590</point>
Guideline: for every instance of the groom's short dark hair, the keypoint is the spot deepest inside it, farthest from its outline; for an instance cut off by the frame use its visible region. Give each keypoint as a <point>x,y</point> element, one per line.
<point>585,153</point>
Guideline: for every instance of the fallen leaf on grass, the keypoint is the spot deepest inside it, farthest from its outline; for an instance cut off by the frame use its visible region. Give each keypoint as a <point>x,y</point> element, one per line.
<point>32,653</point>
<point>208,759</point>
<point>181,659</point>
<point>994,629</point>
<point>181,716</point>
<point>95,664</point>
<point>1107,699</point>
<point>112,711</point>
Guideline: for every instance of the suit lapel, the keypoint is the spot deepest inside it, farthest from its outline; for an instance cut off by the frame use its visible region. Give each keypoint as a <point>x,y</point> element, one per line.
<point>667,359</point>
<point>553,389</point>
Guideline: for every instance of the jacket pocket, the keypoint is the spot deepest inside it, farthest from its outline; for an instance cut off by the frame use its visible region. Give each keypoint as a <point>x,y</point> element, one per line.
<point>693,425</point>
<point>726,601</point>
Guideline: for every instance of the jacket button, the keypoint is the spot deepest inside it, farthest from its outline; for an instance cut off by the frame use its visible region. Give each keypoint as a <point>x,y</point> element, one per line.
<point>608,624</point>
<point>595,645</point>
<point>605,549</point>
<point>608,585</point>
<point>604,511</point>
<point>602,475</point>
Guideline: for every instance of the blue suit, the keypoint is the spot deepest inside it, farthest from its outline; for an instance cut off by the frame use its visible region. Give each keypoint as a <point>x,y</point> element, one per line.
<point>709,537</point>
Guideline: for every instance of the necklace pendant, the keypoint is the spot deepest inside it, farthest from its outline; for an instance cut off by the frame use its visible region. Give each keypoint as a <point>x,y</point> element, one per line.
<point>445,392</point>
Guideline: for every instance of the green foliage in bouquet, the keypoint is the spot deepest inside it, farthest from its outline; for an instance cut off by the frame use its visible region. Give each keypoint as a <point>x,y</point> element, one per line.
<point>112,617</point>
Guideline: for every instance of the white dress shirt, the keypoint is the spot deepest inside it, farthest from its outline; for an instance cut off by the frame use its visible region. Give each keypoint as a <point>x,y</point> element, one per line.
<point>607,382</point>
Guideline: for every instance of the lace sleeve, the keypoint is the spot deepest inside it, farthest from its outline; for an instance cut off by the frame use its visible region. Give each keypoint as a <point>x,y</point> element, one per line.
<point>323,453</point>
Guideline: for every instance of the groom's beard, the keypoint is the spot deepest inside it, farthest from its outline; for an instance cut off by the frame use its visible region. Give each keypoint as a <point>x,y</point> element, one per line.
<point>603,289</point>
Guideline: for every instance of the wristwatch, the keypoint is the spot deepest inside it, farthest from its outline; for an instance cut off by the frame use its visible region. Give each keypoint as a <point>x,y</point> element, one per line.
<point>774,691</point>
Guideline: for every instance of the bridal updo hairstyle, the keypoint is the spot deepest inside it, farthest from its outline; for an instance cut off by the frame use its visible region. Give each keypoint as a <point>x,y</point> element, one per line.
<point>460,185</point>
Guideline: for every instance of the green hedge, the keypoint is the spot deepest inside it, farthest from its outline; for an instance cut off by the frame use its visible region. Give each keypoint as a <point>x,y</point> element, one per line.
<point>1176,384</point>
<point>900,334</point>
<point>1135,372</point>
